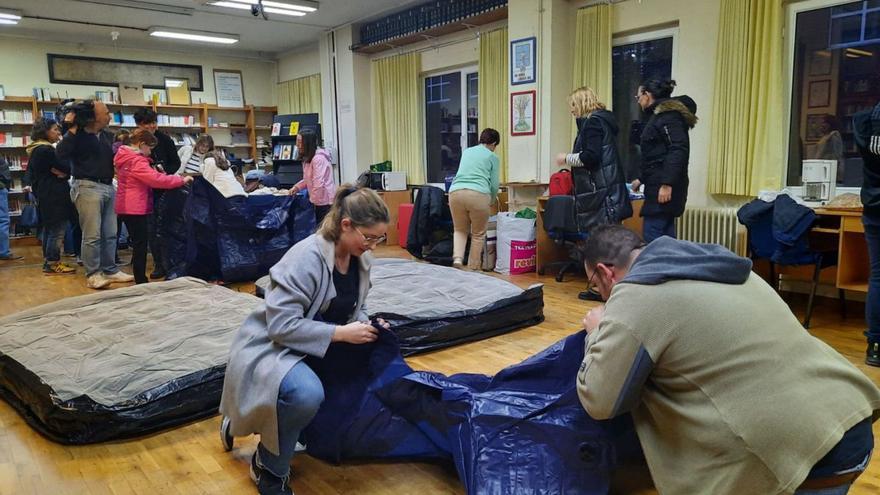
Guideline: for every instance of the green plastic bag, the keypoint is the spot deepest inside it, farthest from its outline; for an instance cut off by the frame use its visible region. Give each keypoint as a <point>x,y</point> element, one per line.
<point>381,167</point>
<point>526,213</point>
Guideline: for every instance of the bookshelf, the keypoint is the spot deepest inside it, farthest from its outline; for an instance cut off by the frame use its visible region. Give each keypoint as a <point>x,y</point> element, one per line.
<point>430,20</point>
<point>175,120</point>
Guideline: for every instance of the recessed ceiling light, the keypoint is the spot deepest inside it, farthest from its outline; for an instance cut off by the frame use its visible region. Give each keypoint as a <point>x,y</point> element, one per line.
<point>277,7</point>
<point>205,37</point>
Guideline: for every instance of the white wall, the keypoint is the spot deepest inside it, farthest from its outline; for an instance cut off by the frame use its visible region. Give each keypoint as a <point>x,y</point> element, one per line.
<point>299,62</point>
<point>23,66</point>
<point>354,102</point>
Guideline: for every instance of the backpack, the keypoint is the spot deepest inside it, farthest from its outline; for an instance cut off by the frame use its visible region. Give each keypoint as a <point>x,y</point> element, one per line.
<point>561,183</point>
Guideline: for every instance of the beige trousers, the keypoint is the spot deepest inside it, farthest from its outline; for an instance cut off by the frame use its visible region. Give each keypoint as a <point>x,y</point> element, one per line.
<point>470,212</point>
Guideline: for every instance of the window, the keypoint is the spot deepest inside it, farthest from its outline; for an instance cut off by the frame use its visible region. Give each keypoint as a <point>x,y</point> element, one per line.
<point>632,61</point>
<point>835,71</point>
<point>450,121</point>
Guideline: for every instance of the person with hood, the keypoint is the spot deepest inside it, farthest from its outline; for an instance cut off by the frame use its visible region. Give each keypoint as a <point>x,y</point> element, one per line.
<point>471,196</point>
<point>134,196</point>
<point>49,183</point>
<point>720,377</point>
<point>317,174</point>
<point>866,127</point>
<point>665,149</point>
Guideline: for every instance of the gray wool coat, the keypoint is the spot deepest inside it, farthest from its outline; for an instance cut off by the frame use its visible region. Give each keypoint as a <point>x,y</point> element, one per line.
<point>280,333</point>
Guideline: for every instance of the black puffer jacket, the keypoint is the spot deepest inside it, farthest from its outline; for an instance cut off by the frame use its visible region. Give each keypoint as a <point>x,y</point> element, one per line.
<point>665,148</point>
<point>165,153</point>
<point>601,196</point>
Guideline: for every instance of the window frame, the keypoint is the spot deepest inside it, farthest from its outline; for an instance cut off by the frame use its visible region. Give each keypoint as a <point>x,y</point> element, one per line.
<point>789,34</point>
<point>652,35</point>
<point>463,70</point>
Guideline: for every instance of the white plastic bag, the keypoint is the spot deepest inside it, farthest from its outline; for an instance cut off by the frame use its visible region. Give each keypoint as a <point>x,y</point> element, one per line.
<point>517,244</point>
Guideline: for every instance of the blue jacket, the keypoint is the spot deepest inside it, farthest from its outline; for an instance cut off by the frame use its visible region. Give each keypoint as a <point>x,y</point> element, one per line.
<point>779,231</point>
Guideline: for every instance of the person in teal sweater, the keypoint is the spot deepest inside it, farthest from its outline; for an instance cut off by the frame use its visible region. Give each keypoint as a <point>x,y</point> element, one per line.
<point>471,197</point>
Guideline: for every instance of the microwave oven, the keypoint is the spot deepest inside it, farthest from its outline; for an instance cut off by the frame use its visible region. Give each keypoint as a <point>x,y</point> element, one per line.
<point>388,181</point>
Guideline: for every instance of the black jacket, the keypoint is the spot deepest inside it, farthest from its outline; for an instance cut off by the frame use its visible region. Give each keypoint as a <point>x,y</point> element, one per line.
<point>165,153</point>
<point>5,174</point>
<point>53,192</point>
<point>665,149</point>
<point>866,126</point>
<point>601,196</point>
<point>430,215</point>
<point>90,156</point>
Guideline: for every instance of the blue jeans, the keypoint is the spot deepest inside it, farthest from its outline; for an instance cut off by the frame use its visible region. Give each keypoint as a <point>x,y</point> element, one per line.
<point>872,302</point>
<point>53,238</point>
<point>657,226</point>
<point>4,222</point>
<point>299,396</point>
<point>97,219</point>
<point>73,239</point>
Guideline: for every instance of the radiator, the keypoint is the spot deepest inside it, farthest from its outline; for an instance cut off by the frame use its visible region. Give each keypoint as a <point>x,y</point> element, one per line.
<point>717,225</point>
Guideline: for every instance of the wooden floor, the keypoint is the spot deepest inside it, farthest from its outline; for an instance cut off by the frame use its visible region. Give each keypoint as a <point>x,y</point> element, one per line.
<point>190,460</point>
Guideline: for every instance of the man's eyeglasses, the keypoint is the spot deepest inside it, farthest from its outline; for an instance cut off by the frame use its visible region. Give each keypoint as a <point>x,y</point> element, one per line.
<point>595,271</point>
<point>371,239</point>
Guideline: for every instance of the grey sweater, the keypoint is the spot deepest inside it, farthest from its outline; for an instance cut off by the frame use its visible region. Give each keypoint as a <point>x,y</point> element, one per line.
<point>280,333</point>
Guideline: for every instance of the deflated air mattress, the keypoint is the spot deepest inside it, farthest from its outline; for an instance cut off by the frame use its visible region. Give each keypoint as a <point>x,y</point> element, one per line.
<point>120,363</point>
<point>431,307</point>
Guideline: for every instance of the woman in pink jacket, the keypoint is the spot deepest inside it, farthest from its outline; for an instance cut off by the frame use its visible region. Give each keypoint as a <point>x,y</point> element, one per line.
<point>317,174</point>
<point>136,180</point>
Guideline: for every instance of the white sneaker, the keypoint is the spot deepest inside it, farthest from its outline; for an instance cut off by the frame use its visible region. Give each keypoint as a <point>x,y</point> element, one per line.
<point>457,263</point>
<point>119,277</point>
<point>97,281</point>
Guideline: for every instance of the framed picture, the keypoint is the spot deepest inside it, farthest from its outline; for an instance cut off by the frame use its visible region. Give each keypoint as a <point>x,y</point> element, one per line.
<point>229,87</point>
<point>820,63</point>
<point>522,61</point>
<point>814,127</point>
<point>178,91</point>
<point>819,94</point>
<point>522,113</point>
<point>94,71</point>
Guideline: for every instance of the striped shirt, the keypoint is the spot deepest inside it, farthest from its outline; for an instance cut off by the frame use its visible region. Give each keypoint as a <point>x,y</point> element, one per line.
<point>194,164</point>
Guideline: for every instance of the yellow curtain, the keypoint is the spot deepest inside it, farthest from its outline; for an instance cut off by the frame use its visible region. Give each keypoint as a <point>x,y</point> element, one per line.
<point>301,95</point>
<point>494,99</point>
<point>397,115</point>
<point>592,51</point>
<point>747,144</point>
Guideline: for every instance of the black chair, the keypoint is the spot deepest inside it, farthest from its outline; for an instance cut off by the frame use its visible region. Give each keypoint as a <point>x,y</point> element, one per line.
<point>789,248</point>
<point>561,226</point>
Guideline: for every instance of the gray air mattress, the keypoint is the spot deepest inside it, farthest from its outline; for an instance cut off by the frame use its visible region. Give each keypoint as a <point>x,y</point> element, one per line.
<point>431,306</point>
<point>120,363</point>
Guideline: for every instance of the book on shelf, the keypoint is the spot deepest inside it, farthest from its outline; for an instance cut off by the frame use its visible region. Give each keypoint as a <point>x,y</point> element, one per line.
<point>106,96</point>
<point>276,129</point>
<point>42,94</point>
<point>17,163</point>
<point>286,151</point>
<point>276,152</point>
<point>294,129</point>
<point>14,116</point>
<point>10,140</point>
<point>177,120</point>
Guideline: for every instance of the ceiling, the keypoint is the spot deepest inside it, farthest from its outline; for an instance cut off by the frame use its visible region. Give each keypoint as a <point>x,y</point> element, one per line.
<point>91,22</point>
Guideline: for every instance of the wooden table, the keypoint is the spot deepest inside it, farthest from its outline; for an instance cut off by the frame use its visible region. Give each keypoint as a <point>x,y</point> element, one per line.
<point>393,200</point>
<point>844,227</point>
<point>548,251</point>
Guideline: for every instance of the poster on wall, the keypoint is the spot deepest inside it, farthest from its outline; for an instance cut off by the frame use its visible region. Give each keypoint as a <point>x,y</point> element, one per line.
<point>522,113</point>
<point>229,88</point>
<point>819,94</point>
<point>522,61</point>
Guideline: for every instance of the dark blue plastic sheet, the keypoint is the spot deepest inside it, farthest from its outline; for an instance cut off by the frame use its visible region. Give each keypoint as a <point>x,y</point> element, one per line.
<point>522,431</point>
<point>231,239</point>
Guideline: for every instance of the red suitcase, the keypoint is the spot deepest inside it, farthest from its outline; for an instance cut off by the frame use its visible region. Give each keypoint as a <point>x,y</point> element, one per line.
<point>404,214</point>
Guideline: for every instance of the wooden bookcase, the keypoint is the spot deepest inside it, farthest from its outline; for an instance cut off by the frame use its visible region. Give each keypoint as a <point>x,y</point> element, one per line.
<point>254,121</point>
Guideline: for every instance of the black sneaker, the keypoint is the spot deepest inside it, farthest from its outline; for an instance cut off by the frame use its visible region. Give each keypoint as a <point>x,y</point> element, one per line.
<point>268,483</point>
<point>872,355</point>
<point>157,274</point>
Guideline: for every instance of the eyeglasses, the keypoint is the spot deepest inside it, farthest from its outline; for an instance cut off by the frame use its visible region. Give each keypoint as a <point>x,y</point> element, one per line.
<point>595,271</point>
<point>371,239</point>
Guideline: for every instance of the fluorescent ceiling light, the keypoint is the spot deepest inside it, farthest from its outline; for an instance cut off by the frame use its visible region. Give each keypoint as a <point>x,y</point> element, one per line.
<point>140,5</point>
<point>271,10</point>
<point>864,53</point>
<point>206,37</point>
<point>9,16</point>
<point>271,6</point>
